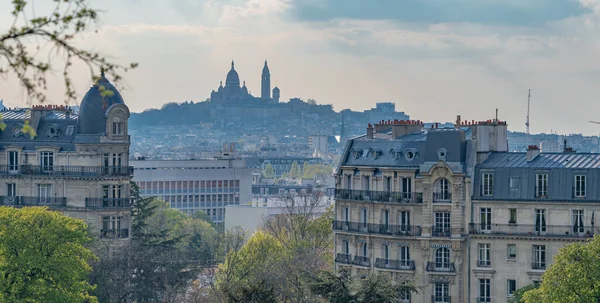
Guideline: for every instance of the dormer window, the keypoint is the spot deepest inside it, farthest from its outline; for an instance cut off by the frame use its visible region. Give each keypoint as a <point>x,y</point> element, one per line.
<point>118,128</point>
<point>52,132</point>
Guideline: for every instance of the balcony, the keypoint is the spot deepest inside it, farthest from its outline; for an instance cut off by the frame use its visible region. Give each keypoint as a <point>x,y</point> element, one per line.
<point>383,229</point>
<point>484,263</point>
<point>343,258</point>
<point>361,261</point>
<point>378,196</point>
<point>531,230</point>
<point>114,233</point>
<point>34,201</point>
<point>440,267</point>
<point>440,299</point>
<point>443,197</point>
<point>395,264</point>
<point>538,265</point>
<point>66,170</point>
<point>441,231</point>
<point>108,202</point>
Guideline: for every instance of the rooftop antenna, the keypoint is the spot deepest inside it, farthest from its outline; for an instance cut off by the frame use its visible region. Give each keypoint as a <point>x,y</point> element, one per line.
<point>528,107</point>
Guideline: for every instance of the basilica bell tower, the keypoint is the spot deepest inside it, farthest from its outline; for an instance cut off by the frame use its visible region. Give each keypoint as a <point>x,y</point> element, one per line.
<point>265,92</point>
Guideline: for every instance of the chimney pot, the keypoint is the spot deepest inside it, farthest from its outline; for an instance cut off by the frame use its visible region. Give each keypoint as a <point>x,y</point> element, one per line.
<point>532,152</point>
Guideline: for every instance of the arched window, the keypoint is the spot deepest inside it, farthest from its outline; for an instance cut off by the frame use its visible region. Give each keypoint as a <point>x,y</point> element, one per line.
<point>441,191</point>
<point>442,259</point>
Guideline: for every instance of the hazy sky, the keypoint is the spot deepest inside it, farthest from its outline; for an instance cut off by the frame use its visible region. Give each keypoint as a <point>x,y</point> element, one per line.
<point>434,58</point>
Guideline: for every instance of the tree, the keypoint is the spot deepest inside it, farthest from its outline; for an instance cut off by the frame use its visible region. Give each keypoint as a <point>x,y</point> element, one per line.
<point>295,170</point>
<point>311,101</point>
<point>517,296</point>
<point>305,168</point>
<point>55,32</point>
<point>269,172</point>
<point>574,276</point>
<point>374,288</point>
<point>43,257</point>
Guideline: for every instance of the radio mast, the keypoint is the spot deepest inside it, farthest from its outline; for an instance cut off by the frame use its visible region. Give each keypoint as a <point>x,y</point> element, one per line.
<point>528,107</point>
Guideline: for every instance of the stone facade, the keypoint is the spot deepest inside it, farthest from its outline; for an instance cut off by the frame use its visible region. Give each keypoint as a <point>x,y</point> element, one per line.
<point>72,165</point>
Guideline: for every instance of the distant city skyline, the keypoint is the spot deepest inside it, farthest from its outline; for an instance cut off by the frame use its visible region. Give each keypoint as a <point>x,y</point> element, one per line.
<point>434,59</point>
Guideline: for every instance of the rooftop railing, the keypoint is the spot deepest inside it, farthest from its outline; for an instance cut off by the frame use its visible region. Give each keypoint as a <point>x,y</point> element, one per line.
<point>379,196</point>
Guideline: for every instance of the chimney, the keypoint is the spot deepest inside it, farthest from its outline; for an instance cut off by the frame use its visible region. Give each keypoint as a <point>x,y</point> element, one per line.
<point>402,128</point>
<point>370,131</point>
<point>532,152</point>
<point>565,145</point>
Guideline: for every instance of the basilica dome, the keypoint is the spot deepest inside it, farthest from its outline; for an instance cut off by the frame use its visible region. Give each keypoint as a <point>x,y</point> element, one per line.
<point>94,105</point>
<point>232,77</point>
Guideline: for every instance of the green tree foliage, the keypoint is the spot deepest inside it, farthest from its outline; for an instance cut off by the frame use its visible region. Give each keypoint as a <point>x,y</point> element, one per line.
<point>252,273</point>
<point>574,276</point>
<point>167,251</point>
<point>20,46</point>
<point>375,288</point>
<point>268,172</point>
<point>311,101</point>
<point>317,171</point>
<point>295,172</point>
<point>43,257</point>
<point>517,296</point>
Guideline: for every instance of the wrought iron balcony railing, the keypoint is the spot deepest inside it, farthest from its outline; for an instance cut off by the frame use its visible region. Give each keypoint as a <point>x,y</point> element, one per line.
<point>343,258</point>
<point>379,196</point>
<point>484,263</point>
<point>384,229</point>
<point>440,299</point>
<point>66,170</point>
<point>33,201</point>
<point>108,202</point>
<point>538,265</point>
<point>395,264</point>
<point>532,230</point>
<point>440,267</point>
<point>443,197</point>
<point>361,261</point>
<point>114,233</point>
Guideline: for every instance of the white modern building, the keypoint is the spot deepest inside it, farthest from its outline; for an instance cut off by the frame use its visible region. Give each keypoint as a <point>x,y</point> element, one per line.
<point>191,185</point>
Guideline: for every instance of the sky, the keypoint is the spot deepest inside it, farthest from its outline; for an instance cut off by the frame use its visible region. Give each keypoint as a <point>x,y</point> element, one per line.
<point>434,58</point>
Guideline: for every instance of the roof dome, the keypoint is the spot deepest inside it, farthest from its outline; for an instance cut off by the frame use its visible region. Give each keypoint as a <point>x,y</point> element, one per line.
<point>232,77</point>
<point>94,105</point>
<point>276,89</point>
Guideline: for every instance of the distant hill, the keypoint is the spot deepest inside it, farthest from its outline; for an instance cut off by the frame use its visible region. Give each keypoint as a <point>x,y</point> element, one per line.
<point>186,113</point>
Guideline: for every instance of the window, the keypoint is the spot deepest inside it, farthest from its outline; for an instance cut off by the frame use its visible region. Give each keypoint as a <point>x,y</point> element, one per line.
<point>13,161</point>
<point>540,220</point>
<point>366,183</point>
<point>406,188</point>
<point>541,186</point>
<point>487,185</point>
<point>442,224</point>
<point>47,161</point>
<point>486,219</point>
<point>70,129</point>
<point>385,219</point>
<point>11,189</point>
<point>579,188</point>
<point>441,293</point>
<point>388,184</point>
<point>363,217</point>
<point>365,250</point>
<point>44,190</point>
<point>442,259</point>
<point>404,296</point>
<point>484,255</point>
<point>484,290</point>
<point>511,251</point>
<point>111,227</point>
<point>514,187</point>
<point>346,214</point>
<point>385,253</point>
<point>578,221</point>
<point>441,191</point>
<point>512,219</point>
<point>404,255</point>
<point>118,128</point>
<point>511,286</point>
<point>345,247</point>
<point>539,257</point>
<point>349,181</point>
<point>404,221</point>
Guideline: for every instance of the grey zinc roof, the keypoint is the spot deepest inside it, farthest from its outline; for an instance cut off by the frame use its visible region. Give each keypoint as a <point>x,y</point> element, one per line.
<point>94,106</point>
<point>543,161</point>
<point>425,144</point>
